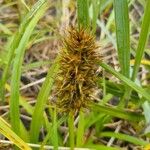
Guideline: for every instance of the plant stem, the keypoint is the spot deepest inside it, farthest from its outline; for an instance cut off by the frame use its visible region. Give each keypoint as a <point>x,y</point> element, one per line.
<point>71,130</point>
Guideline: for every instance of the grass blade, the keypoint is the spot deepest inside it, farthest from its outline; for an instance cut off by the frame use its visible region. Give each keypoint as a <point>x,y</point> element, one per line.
<point>83,13</point>
<point>125,137</point>
<point>7,132</point>
<point>41,101</point>
<point>127,81</point>
<point>142,40</point>
<point>122,34</point>
<point>16,73</point>
<point>15,42</point>
<point>119,113</point>
<point>96,10</point>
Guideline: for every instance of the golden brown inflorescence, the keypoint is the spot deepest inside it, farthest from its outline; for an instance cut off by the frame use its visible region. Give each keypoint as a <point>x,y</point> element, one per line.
<point>77,77</point>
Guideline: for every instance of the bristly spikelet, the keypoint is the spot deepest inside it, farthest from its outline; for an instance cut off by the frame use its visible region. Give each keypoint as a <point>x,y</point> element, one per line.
<point>76,80</point>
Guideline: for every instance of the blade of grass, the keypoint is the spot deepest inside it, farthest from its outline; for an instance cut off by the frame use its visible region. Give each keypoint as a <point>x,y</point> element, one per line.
<point>4,29</point>
<point>83,13</point>
<point>123,42</point>
<point>122,34</point>
<point>7,132</point>
<point>16,73</point>
<point>41,101</point>
<point>127,81</point>
<point>24,133</point>
<point>142,40</point>
<point>35,65</point>
<point>23,101</point>
<point>96,10</point>
<point>22,9</point>
<point>125,137</point>
<point>14,44</point>
<point>119,113</point>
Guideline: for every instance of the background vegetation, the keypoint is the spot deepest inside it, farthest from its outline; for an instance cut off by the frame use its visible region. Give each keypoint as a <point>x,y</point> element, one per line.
<point>30,38</point>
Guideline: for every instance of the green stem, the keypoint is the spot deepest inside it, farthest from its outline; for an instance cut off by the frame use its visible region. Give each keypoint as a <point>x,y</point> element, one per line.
<point>55,130</point>
<point>71,130</point>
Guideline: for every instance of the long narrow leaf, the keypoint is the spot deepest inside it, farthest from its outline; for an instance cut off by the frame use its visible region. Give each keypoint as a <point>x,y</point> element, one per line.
<point>41,101</point>
<point>15,42</point>
<point>142,40</point>
<point>96,10</point>
<point>83,13</point>
<point>127,81</point>
<point>7,132</point>
<point>131,116</point>
<point>125,137</point>
<point>15,80</point>
<point>122,34</point>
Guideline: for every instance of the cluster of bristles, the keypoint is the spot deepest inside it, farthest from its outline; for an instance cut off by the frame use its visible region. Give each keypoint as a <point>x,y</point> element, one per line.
<point>76,81</point>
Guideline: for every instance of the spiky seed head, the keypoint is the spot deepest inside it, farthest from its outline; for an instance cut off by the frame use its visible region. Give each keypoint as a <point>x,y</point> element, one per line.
<point>77,77</point>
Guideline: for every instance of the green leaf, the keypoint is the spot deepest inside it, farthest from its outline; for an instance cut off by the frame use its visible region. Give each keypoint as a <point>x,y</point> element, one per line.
<point>96,10</point>
<point>7,132</point>
<point>17,65</point>
<point>146,108</point>
<point>142,40</point>
<point>41,101</point>
<point>83,13</point>
<point>127,81</point>
<point>122,34</point>
<point>125,137</point>
<point>15,42</point>
<point>119,113</point>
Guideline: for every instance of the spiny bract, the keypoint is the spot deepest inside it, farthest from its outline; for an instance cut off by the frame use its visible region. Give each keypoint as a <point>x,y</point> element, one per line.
<point>76,80</point>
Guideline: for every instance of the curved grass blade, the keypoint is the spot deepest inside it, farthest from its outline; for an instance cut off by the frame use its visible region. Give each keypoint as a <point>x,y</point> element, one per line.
<point>15,42</point>
<point>16,73</point>
<point>142,40</point>
<point>7,132</point>
<point>127,81</point>
<point>41,101</point>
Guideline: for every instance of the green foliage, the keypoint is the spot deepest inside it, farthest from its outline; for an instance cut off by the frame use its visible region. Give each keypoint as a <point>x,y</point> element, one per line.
<point>41,101</point>
<point>83,13</point>
<point>142,40</point>
<point>16,73</point>
<point>122,34</point>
